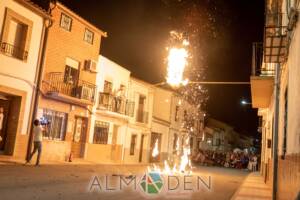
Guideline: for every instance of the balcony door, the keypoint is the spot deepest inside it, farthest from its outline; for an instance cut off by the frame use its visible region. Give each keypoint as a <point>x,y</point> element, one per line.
<point>71,75</point>
<point>141,106</point>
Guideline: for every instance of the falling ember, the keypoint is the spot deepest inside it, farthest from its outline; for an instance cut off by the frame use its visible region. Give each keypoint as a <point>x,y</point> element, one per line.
<point>177,60</point>
<point>155,151</point>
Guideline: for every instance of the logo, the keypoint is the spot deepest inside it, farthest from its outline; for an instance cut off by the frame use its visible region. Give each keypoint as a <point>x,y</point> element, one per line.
<point>151,183</point>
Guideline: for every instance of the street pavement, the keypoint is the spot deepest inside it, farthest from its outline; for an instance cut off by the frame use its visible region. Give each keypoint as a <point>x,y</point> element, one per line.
<point>96,181</point>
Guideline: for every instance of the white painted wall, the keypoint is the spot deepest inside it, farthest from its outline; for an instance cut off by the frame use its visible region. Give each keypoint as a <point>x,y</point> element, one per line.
<point>14,72</point>
<point>137,88</point>
<point>293,83</point>
<point>112,72</point>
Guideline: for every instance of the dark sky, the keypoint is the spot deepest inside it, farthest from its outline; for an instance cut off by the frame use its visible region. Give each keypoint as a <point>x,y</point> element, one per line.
<point>138,32</point>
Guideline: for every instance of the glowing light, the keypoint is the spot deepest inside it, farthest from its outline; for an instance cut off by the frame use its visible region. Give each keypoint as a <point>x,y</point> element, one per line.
<point>177,60</point>
<point>155,151</point>
<point>178,168</point>
<point>185,156</point>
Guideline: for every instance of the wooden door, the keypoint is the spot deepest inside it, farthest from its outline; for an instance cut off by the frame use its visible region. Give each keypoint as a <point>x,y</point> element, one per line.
<point>79,136</point>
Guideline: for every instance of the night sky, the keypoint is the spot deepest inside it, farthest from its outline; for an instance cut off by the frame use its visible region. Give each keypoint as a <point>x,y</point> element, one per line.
<point>138,33</point>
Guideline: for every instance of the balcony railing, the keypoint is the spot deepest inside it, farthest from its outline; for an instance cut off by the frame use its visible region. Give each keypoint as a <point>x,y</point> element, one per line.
<point>79,89</point>
<point>275,36</point>
<point>13,51</point>
<point>142,116</point>
<point>259,67</point>
<point>116,104</point>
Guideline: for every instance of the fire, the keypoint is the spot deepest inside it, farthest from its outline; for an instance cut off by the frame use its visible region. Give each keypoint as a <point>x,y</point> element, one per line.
<point>185,161</point>
<point>177,60</point>
<point>155,151</point>
<point>184,165</point>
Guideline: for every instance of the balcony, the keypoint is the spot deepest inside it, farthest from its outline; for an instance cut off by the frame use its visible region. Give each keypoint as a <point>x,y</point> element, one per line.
<point>13,51</point>
<point>275,36</point>
<point>81,92</point>
<point>142,116</point>
<point>262,78</point>
<point>116,104</point>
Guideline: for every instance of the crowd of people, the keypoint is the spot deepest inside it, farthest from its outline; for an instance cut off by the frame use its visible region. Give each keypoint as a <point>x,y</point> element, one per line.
<point>238,160</point>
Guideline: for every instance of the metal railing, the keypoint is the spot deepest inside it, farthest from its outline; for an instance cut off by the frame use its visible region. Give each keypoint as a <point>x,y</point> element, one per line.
<point>142,116</point>
<point>79,89</point>
<point>116,104</point>
<point>259,68</point>
<point>273,24</point>
<point>13,51</point>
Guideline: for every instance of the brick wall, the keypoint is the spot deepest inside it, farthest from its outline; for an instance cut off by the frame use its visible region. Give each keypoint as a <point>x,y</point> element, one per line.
<point>63,43</point>
<point>289,177</point>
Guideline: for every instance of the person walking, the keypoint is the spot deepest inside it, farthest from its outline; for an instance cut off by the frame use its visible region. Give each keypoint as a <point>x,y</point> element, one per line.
<point>37,142</point>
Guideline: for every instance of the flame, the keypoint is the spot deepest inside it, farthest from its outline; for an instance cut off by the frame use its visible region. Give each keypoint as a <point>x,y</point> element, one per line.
<point>155,151</point>
<point>177,60</point>
<point>185,156</point>
<point>181,167</point>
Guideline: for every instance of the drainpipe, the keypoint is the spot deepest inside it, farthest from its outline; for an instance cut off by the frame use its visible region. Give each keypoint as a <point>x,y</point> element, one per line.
<point>36,92</point>
<point>275,130</point>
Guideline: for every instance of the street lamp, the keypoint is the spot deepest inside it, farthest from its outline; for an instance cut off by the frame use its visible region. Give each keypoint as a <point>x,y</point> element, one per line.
<point>244,102</point>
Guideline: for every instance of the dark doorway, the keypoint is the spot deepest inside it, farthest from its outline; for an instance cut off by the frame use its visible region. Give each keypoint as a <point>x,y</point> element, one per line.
<point>141,148</point>
<point>5,105</point>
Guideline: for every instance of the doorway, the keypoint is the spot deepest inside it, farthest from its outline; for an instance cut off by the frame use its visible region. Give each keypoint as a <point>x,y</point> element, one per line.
<point>79,137</point>
<point>4,106</point>
<point>155,137</point>
<point>114,150</point>
<point>141,148</point>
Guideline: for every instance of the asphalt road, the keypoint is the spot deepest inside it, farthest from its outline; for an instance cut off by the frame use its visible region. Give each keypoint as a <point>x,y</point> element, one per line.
<point>78,182</point>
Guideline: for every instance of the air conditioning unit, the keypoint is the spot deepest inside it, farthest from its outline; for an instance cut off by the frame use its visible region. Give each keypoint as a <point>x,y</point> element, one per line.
<point>91,65</point>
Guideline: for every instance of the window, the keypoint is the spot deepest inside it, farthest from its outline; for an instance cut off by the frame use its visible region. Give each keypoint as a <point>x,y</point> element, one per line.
<point>176,113</point>
<point>132,144</point>
<point>175,141</point>
<point>107,87</point>
<point>88,36</point>
<point>65,22</point>
<point>55,124</point>
<point>101,132</point>
<point>16,35</point>
<point>71,71</point>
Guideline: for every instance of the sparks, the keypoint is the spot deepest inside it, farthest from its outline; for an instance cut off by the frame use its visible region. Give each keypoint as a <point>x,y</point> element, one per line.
<point>177,60</point>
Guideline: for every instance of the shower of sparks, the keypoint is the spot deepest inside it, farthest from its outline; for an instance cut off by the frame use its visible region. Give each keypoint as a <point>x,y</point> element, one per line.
<point>177,60</point>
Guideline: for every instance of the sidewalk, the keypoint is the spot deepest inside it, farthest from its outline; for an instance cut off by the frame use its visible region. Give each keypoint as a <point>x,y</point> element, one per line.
<point>9,160</point>
<point>253,188</point>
